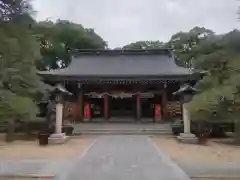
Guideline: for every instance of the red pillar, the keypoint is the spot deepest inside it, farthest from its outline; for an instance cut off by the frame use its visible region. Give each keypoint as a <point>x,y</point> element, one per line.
<point>106,107</point>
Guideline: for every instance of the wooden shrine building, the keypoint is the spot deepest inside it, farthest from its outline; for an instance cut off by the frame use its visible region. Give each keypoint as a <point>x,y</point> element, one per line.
<point>108,85</point>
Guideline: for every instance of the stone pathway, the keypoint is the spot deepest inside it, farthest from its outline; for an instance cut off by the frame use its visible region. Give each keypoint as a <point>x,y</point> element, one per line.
<point>124,158</point>
<point>119,157</point>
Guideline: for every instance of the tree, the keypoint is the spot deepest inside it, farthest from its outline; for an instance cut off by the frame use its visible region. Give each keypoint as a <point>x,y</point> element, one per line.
<point>218,55</point>
<point>220,88</point>
<point>14,9</point>
<point>56,39</point>
<point>145,45</point>
<point>18,53</point>
<point>185,45</point>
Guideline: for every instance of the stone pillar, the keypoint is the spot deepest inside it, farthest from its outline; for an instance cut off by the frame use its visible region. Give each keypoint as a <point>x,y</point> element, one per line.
<point>106,107</point>
<point>186,120</point>
<point>138,106</point>
<point>58,137</point>
<point>59,115</point>
<point>187,136</point>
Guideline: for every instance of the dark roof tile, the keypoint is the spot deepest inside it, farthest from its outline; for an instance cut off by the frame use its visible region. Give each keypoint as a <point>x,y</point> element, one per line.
<point>120,64</point>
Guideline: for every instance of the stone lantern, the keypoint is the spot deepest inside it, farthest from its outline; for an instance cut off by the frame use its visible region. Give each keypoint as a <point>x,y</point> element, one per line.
<point>58,137</point>
<point>186,93</point>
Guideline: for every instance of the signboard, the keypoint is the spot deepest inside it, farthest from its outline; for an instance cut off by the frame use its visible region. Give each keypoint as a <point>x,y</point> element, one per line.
<point>146,95</point>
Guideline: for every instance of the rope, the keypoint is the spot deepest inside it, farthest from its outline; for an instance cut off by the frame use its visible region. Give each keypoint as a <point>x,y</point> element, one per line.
<point>116,95</point>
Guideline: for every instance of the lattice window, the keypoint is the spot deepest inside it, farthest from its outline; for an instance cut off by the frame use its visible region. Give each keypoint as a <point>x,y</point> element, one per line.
<point>174,108</point>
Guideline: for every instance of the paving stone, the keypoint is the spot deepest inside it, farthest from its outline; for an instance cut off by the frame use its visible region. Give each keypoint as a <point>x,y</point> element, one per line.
<point>125,158</point>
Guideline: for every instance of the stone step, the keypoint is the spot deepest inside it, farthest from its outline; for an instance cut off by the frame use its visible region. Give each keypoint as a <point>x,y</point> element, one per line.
<point>121,131</point>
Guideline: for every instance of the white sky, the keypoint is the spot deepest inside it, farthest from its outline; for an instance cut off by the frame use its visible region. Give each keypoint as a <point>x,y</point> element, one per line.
<point>120,22</point>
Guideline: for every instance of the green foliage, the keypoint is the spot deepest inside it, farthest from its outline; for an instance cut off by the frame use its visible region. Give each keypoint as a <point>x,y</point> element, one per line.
<point>144,45</point>
<point>16,107</point>
<point>26,45</point>
<point>212,103</point>
<point>56,39</point>
<point>14,9</point>
<point>220,88</point>
<point>18,53</point>
<point>188,45</point>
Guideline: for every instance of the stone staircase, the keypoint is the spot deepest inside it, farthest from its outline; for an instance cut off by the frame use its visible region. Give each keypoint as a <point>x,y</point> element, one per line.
<point>122,129</point>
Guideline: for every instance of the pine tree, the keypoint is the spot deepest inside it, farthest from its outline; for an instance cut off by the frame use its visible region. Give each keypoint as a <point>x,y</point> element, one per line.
<point>18,53</point>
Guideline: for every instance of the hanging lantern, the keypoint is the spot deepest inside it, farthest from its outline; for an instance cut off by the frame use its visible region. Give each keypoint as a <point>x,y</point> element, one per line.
<point>165,85</point>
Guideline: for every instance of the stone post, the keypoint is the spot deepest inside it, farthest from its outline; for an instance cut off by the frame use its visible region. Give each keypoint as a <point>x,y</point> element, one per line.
<point>186,120</point>
<point>59,115</point>
<point>186,91</point>
<point>187,136</point>
<point>58,137</point>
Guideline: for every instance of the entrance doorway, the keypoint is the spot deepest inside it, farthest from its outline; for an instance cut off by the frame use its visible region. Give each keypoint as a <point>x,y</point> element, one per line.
<point>96,107</point>
<point>122,107</point>
<point>147,107</point>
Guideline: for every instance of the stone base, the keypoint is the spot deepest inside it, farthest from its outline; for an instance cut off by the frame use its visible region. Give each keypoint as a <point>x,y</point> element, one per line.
<point>57,139</point>
<point>187,138</point>
<point>158,119</point>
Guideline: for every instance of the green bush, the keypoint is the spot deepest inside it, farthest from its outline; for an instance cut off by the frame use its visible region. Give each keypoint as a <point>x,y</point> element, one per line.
<point>31,126</point>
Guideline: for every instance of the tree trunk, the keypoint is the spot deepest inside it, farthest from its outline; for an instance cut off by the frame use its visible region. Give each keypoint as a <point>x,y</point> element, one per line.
<point>10,131</point>
<point>237,131</point>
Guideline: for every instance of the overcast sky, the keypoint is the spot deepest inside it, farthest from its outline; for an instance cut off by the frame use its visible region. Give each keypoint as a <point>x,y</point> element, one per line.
<point>120,22</point>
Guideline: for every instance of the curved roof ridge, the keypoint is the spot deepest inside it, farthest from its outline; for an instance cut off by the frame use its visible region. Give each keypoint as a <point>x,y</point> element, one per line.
<point>141,64</point>
<point>163,51</point>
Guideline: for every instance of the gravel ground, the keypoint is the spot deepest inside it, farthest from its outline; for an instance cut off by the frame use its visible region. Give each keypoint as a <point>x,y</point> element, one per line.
<point>212,160</point>
<point>28,158</point>
<point>30,150</point>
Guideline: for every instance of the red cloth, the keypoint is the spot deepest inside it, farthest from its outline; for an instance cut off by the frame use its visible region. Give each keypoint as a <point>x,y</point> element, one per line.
<point>86,110</point>
<point>157,110</point>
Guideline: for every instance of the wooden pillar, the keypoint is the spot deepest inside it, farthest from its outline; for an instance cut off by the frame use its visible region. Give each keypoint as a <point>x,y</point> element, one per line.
<point>164,103</point>
<point>80,103</point>
<point>138,105</point>
<point>106,107</point>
